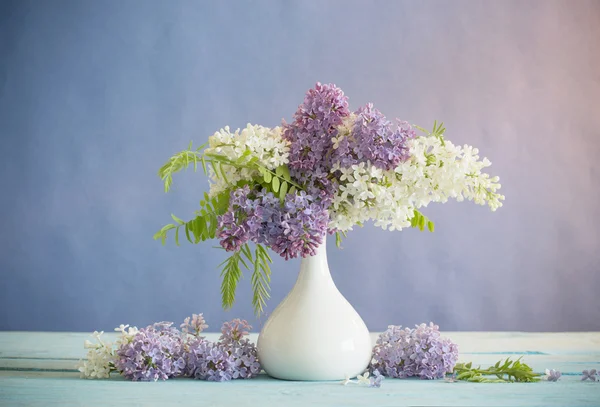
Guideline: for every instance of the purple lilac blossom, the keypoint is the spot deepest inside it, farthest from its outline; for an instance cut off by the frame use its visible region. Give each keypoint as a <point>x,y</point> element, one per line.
<point>209,361</point>
<point>376,379</point>
<point>155,352</point>
<point>420,352</point>
<point>375,139</point>
<point>232,357</point>
<point>293,229</point>
<point>553,375</point>
<point>195,326</point>
<point>315,123</point>
<point>588,374</point>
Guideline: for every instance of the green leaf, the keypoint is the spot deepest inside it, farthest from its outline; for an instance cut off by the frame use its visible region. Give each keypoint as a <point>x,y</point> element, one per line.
<point>430,226</point>
<point>176,219</point>
<point>286,173</point>
<point>275,184</point>
<point>203,160</point>
<point>267,177</point>
<point>187,232</point>
<point>292,190</point>
<point>415,220</point>
<point>283,190</point>
<point>177,236</point>
<point>260,280</point>
<point>338,239</point>
<point>231,275</point>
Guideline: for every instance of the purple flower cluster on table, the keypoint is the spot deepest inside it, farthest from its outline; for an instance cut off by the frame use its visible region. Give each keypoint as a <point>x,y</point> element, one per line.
<point>232,357</point>
<point>293,229</point>
<point>154,353</point>
<point>160,352</point>
<point>420,352</point>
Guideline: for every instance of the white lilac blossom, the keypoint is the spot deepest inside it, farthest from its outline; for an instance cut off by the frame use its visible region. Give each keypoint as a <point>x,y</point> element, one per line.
<point>99,360</point>
<point>436,171</point>
<point>366,378</point>
<point>552,375</point>
<point>265,144</point>
<point>420,352</point>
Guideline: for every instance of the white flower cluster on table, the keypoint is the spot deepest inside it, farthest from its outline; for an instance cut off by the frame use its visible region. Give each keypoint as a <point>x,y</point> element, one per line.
<point>101,355</point>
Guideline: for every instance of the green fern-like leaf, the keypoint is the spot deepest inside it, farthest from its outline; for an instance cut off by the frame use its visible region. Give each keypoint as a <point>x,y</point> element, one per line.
<point>231,275</point>
<point>261,278</point>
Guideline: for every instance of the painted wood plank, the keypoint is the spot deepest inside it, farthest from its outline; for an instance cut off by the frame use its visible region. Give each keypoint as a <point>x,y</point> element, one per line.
<point>70,345</point>
<point>67,390</point>
<point>24,356</point>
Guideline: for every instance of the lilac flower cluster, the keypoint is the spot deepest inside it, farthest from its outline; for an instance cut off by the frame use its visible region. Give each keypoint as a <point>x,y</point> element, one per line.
<point>553,375</point>
<point>293,229</point>
<point>194,325</point>
<point>420,352</point>
<point>325,135</point>
<point>589,375</point>
<point>315,123</point>
<point>232,357</point>
<point>153,353</point>
<point>374,139</point>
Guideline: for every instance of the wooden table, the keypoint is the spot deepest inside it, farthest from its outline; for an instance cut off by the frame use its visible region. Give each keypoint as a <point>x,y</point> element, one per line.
<point>39,369</point>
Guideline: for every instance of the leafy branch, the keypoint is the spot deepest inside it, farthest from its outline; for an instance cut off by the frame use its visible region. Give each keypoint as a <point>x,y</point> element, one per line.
<point>261,276</point>
<point>279,181</point>
<point>507,372</point>
<point>420,221</point>
<point>203,226</point>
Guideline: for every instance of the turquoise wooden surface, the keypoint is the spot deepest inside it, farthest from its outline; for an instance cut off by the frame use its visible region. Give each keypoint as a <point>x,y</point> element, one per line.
<point>39,369</point>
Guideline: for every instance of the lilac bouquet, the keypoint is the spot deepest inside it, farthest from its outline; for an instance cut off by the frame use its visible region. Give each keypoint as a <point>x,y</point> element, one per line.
<point>328,170</point>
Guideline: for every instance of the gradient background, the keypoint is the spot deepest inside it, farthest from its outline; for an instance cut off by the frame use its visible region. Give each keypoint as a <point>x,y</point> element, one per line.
<point>96,95</point>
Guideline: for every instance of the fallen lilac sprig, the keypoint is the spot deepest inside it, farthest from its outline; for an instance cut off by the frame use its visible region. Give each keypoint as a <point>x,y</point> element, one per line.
<point>552,375</point>
<point>588,374</point>
<point>366,379</point>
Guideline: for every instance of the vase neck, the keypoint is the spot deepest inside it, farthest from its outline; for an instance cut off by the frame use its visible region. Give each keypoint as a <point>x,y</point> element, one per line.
<point>314,269</point>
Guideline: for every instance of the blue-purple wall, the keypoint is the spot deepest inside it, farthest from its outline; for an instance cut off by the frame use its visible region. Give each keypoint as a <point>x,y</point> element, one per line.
<point>96,95</point>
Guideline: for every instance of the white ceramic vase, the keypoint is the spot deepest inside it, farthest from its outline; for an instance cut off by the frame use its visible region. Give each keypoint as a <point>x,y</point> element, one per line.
<point>314,334</point>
